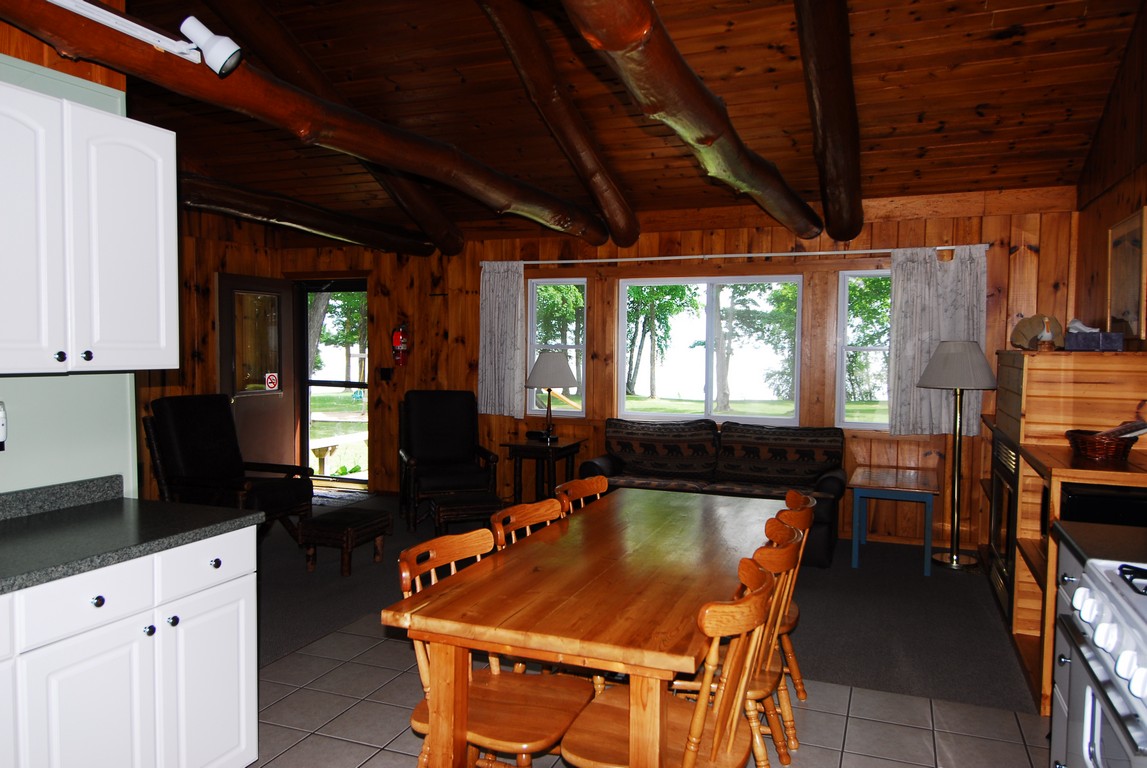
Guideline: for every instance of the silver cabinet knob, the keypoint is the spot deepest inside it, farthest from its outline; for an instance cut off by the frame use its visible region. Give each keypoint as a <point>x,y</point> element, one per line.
<point>1065,579</point>
<point>1062,660</point>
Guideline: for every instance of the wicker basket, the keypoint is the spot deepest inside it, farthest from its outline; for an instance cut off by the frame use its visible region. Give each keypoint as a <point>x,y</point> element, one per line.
<point>1088,444</point>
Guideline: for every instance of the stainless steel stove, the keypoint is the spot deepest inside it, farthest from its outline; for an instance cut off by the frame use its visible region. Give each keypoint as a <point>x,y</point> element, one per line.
<point>1099,713</point>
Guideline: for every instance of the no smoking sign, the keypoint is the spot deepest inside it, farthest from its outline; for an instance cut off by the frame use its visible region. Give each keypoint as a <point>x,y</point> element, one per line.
<point>271,381</point>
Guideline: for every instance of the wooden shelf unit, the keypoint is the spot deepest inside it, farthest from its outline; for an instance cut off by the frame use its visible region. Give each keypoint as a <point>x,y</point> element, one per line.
<point>1042,395</point>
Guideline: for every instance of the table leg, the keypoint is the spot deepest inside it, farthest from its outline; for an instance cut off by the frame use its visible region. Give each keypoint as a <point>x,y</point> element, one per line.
<point>648,725</point>
<point>448,699</point>
<point>542,467</point>
<point>517,479</point>
<point>859,522</point>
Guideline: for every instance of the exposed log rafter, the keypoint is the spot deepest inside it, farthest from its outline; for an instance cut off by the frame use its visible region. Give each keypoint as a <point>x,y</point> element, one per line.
<point>822,26</point>
<point>264,97</point>
<point>212,195</point>
<point>630,34</point>
<point>534,62</point>
<point>264,35</point>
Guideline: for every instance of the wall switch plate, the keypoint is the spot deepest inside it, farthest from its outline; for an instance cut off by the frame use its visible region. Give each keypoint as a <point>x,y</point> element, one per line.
<point>3,426</point>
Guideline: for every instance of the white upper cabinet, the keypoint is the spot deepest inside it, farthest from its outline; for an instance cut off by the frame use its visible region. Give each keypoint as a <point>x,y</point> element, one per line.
<point>88,264</point>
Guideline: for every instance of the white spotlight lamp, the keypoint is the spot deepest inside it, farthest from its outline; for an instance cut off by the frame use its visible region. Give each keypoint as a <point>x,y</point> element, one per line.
<point>220,53</point>
<point>551,371</point>
<point>956,365</point>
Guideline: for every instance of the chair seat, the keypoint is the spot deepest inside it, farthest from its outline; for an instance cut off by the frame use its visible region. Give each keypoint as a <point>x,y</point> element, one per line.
<point>444,478</point>
<point>516,713</point>
<point>599,737</point>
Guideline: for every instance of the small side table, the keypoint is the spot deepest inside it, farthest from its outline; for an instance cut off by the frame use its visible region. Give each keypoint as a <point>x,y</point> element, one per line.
<point>898,485</point>
<point>545,457</point>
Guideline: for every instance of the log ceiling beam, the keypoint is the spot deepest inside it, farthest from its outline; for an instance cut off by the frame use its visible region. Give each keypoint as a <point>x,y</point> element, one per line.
<point>822,26</point>
<point>632,38</point>
<point>264,97</point>
<point>532,58</point>
<point>264,35</point>
<point>211,195</point>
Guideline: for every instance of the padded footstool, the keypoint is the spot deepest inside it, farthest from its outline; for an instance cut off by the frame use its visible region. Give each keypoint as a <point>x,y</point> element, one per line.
<point>457,507</point>
<point>345,528</point>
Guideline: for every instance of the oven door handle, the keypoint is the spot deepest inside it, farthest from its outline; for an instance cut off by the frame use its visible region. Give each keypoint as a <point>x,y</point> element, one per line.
<point>1131,729</point>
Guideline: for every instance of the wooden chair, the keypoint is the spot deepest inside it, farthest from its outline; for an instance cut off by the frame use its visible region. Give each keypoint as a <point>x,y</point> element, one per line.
<point>512,714</point>
<point>704,727</point>
<point>520,520</point>
<point>798,515</point>
<point>575,494</point>
<point>780,557</point>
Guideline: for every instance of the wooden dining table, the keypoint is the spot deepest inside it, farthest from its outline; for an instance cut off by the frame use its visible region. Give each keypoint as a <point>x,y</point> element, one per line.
<point>615,587</point>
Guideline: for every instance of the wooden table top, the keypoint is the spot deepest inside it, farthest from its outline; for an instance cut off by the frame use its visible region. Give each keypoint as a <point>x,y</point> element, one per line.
<point>896,479</point>
<point>615,586</point>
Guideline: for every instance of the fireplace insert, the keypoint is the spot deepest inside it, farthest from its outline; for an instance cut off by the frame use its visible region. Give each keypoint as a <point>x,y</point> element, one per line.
<point>1001,559</point>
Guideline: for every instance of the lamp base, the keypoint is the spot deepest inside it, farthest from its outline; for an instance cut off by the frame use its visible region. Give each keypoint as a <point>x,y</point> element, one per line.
<point>960,562</point>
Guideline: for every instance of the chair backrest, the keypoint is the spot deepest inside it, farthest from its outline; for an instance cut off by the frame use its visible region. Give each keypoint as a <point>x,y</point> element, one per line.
<point>780,557</point>
<point>420,566</point>
<point>194,436</point>
<point>794,499</point>
<point>521,520</point>
<point>429,558</point>
<point>576,493</point>
<point>439,425</point>
<point>741,623</point>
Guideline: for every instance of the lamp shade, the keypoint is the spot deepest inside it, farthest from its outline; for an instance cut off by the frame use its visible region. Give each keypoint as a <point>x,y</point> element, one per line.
<point>551,371</point>
<point>957,365</point>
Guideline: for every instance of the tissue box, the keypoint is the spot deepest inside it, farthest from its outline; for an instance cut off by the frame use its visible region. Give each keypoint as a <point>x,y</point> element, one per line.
<point>1101,341</point>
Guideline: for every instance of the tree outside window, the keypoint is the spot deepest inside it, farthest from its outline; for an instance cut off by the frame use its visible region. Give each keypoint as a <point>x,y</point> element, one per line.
<point>557,317</point>
<point>863,360</point>
<point>711,347</point>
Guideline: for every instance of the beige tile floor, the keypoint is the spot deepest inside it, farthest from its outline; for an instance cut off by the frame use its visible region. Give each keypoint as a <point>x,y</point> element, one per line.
<point>344,702</point>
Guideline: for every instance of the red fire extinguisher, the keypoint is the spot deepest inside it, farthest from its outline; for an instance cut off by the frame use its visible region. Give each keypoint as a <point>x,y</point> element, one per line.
<point>400,344</point>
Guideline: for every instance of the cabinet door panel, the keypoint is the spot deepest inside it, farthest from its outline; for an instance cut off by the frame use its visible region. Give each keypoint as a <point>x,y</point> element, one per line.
<point>90,700</point>
<point>33,317</point>
<point>208,684</point>
<point>123,256</point>
<point>7,714</point>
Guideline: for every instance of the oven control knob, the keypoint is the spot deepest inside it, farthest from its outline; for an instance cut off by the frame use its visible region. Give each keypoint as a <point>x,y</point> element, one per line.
<point>1089,610</point>
<point>1107,636</point>
<point>1138,684</point>
<point>1126,664</point>
<point>1077,599</point>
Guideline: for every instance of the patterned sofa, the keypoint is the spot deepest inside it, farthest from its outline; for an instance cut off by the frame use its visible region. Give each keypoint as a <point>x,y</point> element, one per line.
<point>733,459</point>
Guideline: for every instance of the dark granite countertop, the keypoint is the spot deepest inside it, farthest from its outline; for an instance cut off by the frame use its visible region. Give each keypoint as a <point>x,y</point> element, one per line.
<point>1125,543</point>
<point>42,547</point>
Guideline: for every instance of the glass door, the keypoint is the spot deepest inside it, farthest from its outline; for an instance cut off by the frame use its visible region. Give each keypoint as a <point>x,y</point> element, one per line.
<point>337,365</point>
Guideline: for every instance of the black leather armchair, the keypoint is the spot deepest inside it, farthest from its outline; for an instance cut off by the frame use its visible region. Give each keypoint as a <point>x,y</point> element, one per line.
<point>438,449</point>
<point>196,459</point>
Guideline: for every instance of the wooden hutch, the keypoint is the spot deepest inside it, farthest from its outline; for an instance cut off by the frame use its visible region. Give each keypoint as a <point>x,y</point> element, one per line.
<point>1042,395</point>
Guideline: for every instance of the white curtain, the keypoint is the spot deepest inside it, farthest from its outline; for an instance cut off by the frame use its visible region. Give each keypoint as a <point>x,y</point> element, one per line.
<point>933,300</point>
<point>501,336</point>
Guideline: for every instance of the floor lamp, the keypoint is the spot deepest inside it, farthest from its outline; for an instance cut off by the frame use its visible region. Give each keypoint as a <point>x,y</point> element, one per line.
<point>957,365</point>
<point>551,371</point>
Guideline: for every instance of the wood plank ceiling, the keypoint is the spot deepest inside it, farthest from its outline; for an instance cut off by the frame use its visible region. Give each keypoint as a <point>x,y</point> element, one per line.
<point>952,95</point>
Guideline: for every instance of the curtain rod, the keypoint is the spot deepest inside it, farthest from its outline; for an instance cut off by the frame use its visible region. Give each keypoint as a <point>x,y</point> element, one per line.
<point>707,257</point>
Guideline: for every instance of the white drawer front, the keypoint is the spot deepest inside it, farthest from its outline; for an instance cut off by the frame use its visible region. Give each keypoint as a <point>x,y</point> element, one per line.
<point>6,640</point>
<point>202,564</point>
<point>61,608</point>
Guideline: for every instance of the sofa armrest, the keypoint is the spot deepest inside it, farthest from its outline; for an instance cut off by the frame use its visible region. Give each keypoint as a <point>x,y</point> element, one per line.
<point>486,456</point>
<point>834,482</point>
<point>600,465</point>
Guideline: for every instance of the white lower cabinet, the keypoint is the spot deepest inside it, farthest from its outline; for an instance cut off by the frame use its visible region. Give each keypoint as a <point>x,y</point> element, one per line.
<point>173,686</point>
<point>7,686</point>
<point>208,678</point>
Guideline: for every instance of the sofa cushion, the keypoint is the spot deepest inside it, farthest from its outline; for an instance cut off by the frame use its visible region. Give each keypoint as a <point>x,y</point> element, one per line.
<point>778,455</point>
<point>658,483</point>
<point>674,449</point>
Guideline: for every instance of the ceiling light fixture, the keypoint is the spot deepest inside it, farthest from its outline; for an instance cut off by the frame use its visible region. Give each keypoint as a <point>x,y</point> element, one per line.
<point>220,53</point>
<point>103,16</point>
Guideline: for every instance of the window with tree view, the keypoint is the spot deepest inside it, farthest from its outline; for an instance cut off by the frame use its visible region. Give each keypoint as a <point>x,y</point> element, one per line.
<point>338,366</point>
<point>710,347</point>
<point>557,316</point>
<point>862,362</point>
